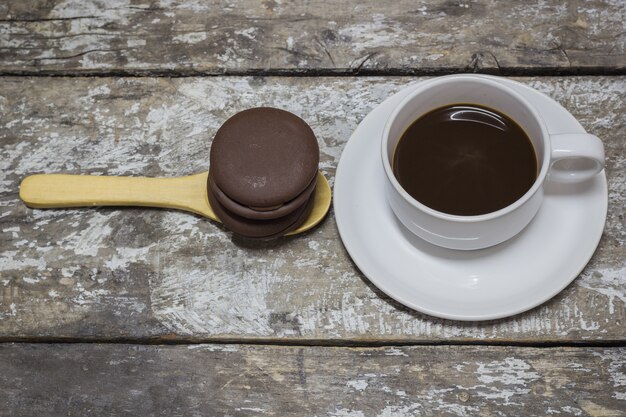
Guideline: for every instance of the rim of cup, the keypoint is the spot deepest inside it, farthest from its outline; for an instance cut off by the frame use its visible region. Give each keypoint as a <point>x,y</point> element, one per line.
<point>480,79</point>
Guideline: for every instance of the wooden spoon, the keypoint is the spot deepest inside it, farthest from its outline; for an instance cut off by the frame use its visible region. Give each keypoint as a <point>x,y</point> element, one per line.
<point>182,193</point>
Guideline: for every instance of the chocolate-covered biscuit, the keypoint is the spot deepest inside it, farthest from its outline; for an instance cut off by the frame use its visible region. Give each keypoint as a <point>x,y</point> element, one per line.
<point>263,214</point>
<point>264,157</point>
<point>261,229</point>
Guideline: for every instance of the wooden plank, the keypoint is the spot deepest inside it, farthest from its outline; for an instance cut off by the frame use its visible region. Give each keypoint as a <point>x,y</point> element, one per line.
<point>240,380</point>
<point>138,273</point>
<point>190,37</point>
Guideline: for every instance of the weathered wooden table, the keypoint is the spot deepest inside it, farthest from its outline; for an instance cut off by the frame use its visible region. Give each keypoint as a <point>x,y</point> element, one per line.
<point>151,312</point>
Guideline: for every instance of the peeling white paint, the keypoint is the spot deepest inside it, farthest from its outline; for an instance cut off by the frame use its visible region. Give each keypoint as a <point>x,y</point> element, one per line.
<point>132,43</point>
<point>506,379</point>
<point>346,413</point>
<point>126,255</point>
<point>400,410</point>
<point>77,8</point>
<point>357,384</point>
<point>214,348</point>
<point>573,411</point>
<point>69,271</point>
<point>249,33</point>
<point>617,371</point>
<point>9,262</point>
<point>101,90</point>
<point>395,352</point>
<point>511,371</point>
<point>610,282</point>
<point>191,38</point>
<point>253,409</point>
<point>87,241</point>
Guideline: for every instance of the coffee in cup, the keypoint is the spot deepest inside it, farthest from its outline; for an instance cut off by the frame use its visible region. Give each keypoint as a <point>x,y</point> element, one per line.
<point>465,159</point>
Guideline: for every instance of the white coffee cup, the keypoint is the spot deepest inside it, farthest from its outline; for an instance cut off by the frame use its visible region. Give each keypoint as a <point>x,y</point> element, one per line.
<point>481,231</point>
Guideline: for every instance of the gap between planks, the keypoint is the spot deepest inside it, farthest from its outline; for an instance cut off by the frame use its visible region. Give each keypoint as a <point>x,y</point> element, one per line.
<point>316,72</point>
<point>350,343</point>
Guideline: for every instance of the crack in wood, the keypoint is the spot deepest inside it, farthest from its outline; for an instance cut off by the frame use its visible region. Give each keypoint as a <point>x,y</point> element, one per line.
<point>48,19</point>
<point>77,55</point>
<point>325,50</point>
<point>369,56</point>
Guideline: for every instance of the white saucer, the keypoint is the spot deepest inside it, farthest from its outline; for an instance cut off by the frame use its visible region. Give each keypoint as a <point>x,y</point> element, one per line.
<point>486,284</point>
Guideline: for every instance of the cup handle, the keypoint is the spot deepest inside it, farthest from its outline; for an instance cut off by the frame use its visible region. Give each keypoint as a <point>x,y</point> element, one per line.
<point>576,157</point>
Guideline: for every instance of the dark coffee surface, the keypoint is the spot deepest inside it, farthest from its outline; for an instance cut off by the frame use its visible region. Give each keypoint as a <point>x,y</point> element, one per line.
<point>465,160</point>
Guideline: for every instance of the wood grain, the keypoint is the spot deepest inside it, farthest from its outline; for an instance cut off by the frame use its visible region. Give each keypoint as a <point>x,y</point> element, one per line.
<point>146,273</point>
<point>240,380</point>
<point>331,37</point>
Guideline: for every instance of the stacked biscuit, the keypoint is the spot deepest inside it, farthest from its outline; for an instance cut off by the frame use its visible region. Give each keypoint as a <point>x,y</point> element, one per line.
<point>263,172</point>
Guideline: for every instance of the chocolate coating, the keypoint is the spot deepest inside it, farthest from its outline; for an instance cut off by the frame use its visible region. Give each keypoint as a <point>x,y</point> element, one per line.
<point>255,214</point>
<point>264,157</point>
<point>261,229</point>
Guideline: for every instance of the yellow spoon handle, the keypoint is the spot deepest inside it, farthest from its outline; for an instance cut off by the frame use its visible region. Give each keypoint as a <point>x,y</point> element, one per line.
<point>59,190</point>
